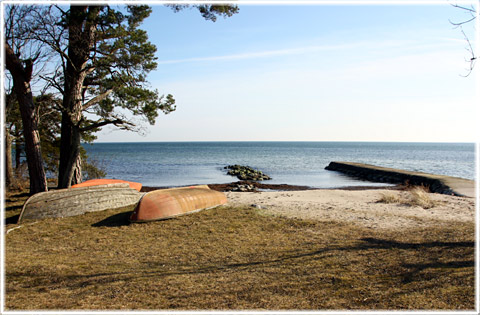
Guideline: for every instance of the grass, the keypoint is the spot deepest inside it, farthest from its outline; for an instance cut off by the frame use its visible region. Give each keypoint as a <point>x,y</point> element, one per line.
<point>232,259</point>
<point>417,196</point>
<point>390,197</point>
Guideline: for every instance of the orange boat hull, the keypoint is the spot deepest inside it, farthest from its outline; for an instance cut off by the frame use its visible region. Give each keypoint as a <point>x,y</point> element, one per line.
<point>167,203</point>
<point>106,181</point>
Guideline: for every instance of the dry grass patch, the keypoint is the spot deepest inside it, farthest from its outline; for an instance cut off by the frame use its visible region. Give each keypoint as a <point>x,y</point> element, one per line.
<point>234,258</point>
<point>417,196</point>
<point>389,197</point>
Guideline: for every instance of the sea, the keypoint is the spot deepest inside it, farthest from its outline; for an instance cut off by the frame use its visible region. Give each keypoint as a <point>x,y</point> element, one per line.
<point>170,164</point>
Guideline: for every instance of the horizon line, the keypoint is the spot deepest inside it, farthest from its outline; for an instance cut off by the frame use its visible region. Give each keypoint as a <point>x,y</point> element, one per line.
<point>331,141</point>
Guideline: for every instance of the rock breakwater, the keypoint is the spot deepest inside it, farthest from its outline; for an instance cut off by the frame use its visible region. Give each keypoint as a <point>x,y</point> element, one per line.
<point>246,173</point>
<point>436,183</point>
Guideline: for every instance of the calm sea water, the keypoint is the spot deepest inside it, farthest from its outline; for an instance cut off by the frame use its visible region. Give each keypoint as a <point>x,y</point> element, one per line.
<point>295,163</point>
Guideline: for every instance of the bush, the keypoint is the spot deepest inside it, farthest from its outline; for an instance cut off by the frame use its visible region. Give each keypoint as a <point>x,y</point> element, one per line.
<point>92,170</point>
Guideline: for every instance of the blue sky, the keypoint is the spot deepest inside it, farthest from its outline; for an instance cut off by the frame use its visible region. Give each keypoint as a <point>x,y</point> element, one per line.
<point>312,73</point>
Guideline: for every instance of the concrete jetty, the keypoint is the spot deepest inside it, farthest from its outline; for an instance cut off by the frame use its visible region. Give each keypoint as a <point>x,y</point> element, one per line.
<point>436,183</point>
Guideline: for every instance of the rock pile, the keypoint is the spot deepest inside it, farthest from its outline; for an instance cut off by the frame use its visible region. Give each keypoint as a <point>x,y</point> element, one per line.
<point>242,188</point>
<point>246,173</point>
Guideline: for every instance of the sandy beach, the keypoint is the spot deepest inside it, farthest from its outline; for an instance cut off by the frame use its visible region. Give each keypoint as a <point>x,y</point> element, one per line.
<point>360,207</point>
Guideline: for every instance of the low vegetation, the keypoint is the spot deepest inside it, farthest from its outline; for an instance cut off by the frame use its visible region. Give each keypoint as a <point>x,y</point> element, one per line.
<point>232,258</point>
<point>390,197</point>
<point>417,196</point>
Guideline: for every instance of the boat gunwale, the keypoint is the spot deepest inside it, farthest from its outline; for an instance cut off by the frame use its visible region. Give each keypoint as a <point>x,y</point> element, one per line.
<point>115,181</point>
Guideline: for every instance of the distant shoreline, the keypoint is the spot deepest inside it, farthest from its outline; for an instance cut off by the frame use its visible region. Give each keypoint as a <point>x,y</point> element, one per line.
<point>279,187</point>
<point>279,141</point>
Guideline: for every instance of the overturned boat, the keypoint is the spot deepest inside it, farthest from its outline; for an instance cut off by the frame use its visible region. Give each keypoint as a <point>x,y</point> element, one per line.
<point>167,203</point>
<point>106,181</point>
<point>70,202</point>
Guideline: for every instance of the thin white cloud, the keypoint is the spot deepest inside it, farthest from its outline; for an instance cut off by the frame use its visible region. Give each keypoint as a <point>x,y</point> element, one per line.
<point>304,50</point>
<point>451,39</point>
<point>262,54</point>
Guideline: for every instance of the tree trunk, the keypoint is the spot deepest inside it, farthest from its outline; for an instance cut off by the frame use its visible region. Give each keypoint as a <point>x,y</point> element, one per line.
<point>69,152</point>
<point>21,81</point>
<point>81,37</point>
<point>36,172</point>
<point>18,151</point>
<point>10,181</point>
<point>77,175</point>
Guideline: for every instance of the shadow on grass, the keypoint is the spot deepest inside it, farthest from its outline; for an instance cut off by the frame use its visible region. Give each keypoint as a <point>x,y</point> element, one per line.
<point>12,220</point>
<point>415,269</point>
<point>17,195</point>
<point>120,219</point>
<point>13,208</point>
<point>167,269</point>
<point>387,244</point>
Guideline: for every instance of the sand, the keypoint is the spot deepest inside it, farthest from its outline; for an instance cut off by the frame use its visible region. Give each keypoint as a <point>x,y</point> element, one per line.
<point>359,207</point>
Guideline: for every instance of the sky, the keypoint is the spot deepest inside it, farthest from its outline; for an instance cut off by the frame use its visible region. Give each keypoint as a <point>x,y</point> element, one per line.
<point>312,73</point>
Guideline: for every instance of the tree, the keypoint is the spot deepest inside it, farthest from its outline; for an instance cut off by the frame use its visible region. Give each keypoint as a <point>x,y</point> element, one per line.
<point>13,139</point>
<point>49,118</point>
<point>103,61</point>
<point>472,15</point>
<point>49,129</point>
<point>21,53</point>
<point>12,117</point>
<point>105,67</point>
<point>209,11</point>
<point>104,72</point>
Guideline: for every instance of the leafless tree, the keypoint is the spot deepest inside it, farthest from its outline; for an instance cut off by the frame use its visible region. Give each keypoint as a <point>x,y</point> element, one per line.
<point>471,17</point>
<point>22,55</point>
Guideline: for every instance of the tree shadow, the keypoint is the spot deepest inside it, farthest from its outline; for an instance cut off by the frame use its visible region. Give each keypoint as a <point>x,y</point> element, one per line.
<point>17,195</point>
<point>159,270</point>
<point>13,208</point>
<point>116,220</point>
<point>418,271</point>
<point>388,244</point>
<point>415,269</point>
<point>12,220</point>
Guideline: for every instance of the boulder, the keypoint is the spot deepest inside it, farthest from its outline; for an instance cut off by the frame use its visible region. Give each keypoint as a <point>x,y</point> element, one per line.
<point>241,187</point>
<point>246,173</point>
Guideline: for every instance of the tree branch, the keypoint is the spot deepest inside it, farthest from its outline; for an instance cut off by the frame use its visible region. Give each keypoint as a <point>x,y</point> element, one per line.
<point>103,122</point>
<point>461,23</point>
<point>14,65</point>
<point>473,58</point>
<point>52,82</point>
<point>473,14</point>
<point>464,8</point>
<point>97,99</point>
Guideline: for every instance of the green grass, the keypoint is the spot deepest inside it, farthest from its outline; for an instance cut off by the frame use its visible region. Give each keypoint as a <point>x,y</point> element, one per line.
<point>233,258</point>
